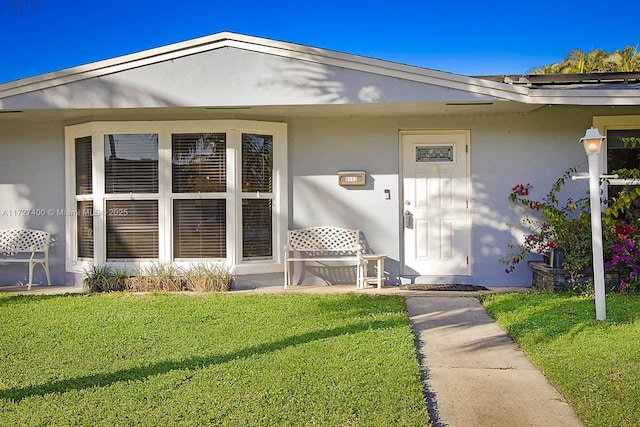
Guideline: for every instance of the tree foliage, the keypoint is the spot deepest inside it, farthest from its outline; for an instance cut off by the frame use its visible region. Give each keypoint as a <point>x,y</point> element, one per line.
<point>594,61</point>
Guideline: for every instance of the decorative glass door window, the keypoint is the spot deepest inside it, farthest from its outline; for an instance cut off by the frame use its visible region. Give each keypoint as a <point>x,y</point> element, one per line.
<point>434,154</point>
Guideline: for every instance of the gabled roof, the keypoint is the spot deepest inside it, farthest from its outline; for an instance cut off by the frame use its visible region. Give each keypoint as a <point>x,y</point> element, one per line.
<point>289,51</point>
<point>228,69</point>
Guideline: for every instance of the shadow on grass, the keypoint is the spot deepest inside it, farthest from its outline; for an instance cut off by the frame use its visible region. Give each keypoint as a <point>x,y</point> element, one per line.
<point>551,316</point>
<point>142,372</point>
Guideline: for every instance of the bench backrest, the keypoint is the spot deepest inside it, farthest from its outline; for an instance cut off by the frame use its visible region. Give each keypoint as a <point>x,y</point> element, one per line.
<point>20,240</point>
<point>324,239</point>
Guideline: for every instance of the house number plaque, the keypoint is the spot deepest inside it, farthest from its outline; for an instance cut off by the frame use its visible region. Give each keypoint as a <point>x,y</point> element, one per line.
<point>434,154</point>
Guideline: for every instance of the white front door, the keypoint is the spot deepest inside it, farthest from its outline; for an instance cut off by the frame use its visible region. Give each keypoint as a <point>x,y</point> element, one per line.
<point>436,215</point>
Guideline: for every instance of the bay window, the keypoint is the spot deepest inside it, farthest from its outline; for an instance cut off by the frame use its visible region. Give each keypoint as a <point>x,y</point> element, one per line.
<point>177,192</point>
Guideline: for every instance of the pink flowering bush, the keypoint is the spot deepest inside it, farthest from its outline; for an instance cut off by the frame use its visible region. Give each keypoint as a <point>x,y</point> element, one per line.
<point>622,243</point>
<point>549,224</point>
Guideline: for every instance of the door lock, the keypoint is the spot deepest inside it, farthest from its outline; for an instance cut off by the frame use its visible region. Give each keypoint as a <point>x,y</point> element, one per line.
<point>408,219</point>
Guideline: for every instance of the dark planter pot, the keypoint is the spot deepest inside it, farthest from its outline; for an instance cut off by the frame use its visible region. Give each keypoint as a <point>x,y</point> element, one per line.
<point>556,258</point>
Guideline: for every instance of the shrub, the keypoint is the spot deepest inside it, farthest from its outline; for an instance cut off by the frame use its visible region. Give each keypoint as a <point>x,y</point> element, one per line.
<point>550,224</point>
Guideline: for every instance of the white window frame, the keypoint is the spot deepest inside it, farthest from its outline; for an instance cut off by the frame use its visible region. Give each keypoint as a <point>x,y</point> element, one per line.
<point>234,130</point>
<point>604,124</point>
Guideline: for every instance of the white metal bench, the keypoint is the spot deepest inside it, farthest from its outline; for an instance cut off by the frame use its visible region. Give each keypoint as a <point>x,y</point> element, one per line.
<point>27,246</point>
<point>323,244</point>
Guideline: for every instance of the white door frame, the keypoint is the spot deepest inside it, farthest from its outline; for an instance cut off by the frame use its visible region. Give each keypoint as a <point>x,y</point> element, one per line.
<point>401,207</point>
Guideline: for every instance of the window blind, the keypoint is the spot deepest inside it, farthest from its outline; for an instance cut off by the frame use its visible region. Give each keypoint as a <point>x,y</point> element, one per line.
<point>257,163</point>
<point>83,166</point>
<point>256,229</point>
<point>84,215</point>
<point>199,228</point>
<point>132,229</point>
<point>199,162</point>
<point>131,163</point>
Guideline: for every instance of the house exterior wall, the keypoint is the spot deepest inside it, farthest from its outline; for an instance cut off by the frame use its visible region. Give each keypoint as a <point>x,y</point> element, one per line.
<point>32,191</point>
<point>505,150</point>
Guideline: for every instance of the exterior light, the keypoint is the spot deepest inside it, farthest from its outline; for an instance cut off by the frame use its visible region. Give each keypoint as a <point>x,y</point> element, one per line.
<point>592,141</point>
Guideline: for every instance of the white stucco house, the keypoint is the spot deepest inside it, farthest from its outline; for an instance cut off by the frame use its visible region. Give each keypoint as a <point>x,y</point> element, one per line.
<point>211,149</point>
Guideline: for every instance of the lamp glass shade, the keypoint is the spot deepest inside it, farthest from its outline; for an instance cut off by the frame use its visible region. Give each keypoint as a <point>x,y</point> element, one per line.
<point>592,141</point>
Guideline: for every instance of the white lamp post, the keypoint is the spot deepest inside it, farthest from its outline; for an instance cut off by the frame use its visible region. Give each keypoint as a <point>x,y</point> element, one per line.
<point>592,142</point>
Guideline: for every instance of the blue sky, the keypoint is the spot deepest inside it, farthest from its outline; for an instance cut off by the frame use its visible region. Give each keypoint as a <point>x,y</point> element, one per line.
<point>465,37</point>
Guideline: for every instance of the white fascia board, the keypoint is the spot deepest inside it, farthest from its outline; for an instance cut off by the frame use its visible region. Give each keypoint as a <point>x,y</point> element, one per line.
<point>500,91</point>
<point>585,97</point>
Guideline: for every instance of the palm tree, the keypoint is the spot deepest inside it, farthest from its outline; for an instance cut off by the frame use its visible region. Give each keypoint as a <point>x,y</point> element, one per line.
<point>594,61</point>
<point>627,59</point>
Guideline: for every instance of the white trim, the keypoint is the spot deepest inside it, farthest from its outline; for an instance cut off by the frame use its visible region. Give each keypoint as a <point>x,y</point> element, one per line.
<point>165,195</point>
<point>605,123</point>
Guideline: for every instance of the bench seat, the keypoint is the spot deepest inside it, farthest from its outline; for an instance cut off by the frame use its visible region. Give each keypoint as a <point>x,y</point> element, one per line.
<point>323,244</point>
<point>23,245</point>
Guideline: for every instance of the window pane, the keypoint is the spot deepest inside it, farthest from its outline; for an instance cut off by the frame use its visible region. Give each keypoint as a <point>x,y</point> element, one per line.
<point>619,156</point>
<point>199,229</point>
<point>85,228</point>
<point>257,163</point>
<point>83,165</point>
<point>256,229</point>
<point>132,229</point>
<point>131,163</point>
<point>199,162</point>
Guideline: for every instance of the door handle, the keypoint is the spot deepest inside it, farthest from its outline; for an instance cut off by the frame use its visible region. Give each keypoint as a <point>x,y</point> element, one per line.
<point>408,219</point>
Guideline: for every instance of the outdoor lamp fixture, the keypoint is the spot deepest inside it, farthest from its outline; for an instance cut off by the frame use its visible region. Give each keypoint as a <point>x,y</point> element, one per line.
<point>592,142</point>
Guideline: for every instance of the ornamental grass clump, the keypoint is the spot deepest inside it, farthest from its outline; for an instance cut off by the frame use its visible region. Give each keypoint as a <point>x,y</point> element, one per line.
<point>156,277</point>
<point>208,277</point>
<point>159,277</point>
<point>103,278</point>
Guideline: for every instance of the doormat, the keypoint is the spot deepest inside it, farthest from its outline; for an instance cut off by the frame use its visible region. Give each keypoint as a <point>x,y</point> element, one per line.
<point>443,287</point>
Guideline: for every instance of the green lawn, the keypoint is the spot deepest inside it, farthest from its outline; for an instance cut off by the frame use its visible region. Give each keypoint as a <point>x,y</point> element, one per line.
<point>174,359</point>
<point>596,365</point>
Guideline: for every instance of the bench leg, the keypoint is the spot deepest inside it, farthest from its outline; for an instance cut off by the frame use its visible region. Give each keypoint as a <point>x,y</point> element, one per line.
<point>286,274</point>
<point>31,264</point>
<point>361,270</point>
<point>45,265</point>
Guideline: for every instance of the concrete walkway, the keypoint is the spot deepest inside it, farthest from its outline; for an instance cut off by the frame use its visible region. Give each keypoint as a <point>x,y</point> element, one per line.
<point>475,374</point>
